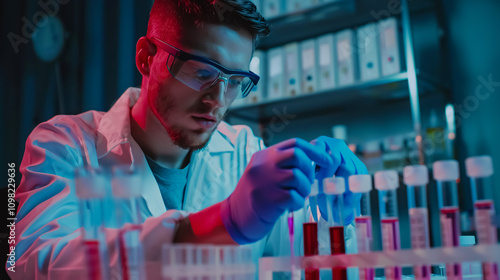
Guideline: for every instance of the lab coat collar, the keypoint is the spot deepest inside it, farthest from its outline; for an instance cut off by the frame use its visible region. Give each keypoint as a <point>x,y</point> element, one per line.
<point>114,127</point>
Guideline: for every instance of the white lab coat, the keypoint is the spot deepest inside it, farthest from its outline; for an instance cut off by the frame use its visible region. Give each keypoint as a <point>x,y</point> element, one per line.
<point>48,241</point>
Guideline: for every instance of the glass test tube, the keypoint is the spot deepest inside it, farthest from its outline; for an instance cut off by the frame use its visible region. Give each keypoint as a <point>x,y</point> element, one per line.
<point>127,193</point>
<point>479,170</point>
<point>386,182</point>
<point>363,184</point>
<point>334,189</point>
<point>446,174</point>
<point>310,228</point>
<point>416,177</point>
<point>90,189</point>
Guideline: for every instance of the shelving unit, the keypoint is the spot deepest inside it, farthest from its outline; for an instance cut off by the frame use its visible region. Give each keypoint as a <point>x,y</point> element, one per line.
<point>391,88</point>
<point>411,84</point>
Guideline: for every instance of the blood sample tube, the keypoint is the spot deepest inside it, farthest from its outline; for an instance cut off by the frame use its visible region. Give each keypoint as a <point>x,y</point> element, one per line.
<point>334,189</point>
<point>416,177</point>
<point>479,170</point>
<point>310,228</point>
<point>127,194</point>
<point>90,187</point>
<point>386,182</point>
<point>446,174</point>
<point>363,184</point>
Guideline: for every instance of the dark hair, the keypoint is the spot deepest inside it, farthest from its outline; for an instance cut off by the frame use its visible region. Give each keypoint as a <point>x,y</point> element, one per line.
<point>169,19</point>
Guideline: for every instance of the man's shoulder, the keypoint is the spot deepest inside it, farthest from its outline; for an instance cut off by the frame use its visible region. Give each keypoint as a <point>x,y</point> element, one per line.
<point>69,124</point>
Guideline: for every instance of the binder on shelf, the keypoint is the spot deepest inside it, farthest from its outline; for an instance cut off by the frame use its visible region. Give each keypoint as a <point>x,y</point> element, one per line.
<point>369,53</point>
<point>327,76</point>
<point>292,70</point>
<point>389,46</point>
<point>273,8</point>
<point>309,66</point>
<point>346,57</point>
<point>258,66</point>
<point>276,73</point>
<point>297,5</point>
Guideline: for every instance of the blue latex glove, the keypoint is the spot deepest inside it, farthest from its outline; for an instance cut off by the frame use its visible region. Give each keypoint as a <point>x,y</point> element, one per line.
<point>276,179</point>
<point>345,164</point>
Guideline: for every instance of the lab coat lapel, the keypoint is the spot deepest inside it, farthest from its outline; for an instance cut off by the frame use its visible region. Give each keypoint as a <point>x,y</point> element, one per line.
<point>206,183</point>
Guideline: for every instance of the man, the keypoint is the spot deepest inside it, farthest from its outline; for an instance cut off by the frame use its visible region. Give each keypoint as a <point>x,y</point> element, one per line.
<point>203,181</point>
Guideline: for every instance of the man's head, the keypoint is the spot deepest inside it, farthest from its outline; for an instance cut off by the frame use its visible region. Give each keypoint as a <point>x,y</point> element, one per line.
<point>224,31</point>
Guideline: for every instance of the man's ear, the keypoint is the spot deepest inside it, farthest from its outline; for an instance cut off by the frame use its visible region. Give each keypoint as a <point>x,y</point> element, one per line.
<point>145,51</point>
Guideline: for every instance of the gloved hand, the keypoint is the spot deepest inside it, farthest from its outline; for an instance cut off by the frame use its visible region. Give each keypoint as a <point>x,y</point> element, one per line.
<point>276,179</point>
<point>345,164</point>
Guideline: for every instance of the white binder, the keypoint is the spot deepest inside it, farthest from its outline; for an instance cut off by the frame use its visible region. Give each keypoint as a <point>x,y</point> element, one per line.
<point>346,57</point>
<point>276,73</point>
<point>273,8</point>
<point>327,66</point>
<point>309,66</point>
<point>389,46</point>
<point>297,5</point>
<point>258,66</point>
<point>369,53</point>
<point>292,70</point>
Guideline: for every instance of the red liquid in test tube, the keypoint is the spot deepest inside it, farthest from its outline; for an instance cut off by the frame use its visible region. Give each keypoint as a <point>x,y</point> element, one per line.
<point>311,247</point>
<point>364,240</point>
<point>93,259</point>
<point>484,212</point>
<point>391,242</point>
<point>337,246</point>
<point>450,233</point>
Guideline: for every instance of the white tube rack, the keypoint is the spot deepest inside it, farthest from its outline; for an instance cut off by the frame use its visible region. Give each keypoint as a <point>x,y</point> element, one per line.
<point>380,259</point>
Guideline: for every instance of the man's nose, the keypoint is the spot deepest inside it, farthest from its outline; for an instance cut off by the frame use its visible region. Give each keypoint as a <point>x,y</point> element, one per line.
<point>215,96</point>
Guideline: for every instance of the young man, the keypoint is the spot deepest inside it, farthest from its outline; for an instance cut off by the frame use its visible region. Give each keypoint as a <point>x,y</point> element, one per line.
<point>203,181</point>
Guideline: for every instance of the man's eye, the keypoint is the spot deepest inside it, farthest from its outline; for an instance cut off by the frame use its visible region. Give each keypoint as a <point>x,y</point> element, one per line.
<point>236,81</point>
<point>203,74</point>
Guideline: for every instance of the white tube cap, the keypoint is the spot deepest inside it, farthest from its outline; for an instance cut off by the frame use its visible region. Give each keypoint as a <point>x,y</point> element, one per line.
<point>479,167</point>
<point>334,185</point>
<point>416,175</point>
<point>126,182</point>
<point>446,170</point>
<point>360,183</point>
<point>90,182</point>
<point>314,188</point>
<point>386,180</point>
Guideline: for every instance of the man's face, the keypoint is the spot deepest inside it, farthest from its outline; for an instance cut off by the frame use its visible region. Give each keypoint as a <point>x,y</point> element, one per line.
<point>189,116</point>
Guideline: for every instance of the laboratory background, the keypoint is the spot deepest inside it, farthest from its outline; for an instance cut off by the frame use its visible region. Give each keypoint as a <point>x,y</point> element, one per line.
<point>402,82</point>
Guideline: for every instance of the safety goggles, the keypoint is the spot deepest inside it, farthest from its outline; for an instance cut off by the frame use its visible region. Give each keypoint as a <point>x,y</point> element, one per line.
<point>201,73</point>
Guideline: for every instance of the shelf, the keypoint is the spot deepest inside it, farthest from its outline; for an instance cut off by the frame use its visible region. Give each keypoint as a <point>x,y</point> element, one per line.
<point>372,93</point>
<point>332,17</point>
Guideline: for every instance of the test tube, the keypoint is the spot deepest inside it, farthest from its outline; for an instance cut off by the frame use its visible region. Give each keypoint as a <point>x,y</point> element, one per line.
<point>90,189</point>
<point>310,230</point>
<point>333,189</point>
<point>363,184</point>
<point>479,169</point>
<point>386,182</point>
<point>446,174</point>
<point>127,193</point>
<point>416,177</point>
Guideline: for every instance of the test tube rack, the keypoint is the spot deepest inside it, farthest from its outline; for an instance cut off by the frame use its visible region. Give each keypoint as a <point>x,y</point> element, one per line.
<point>381,259</point>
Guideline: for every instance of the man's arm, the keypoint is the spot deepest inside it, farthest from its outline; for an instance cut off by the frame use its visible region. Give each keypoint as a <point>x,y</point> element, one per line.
<point>48,236</point>
<point>204,226</point>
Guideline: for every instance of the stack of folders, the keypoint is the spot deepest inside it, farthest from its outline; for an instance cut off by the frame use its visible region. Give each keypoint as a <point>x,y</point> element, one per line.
<point>275,8</point>
<point>326,62</point>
